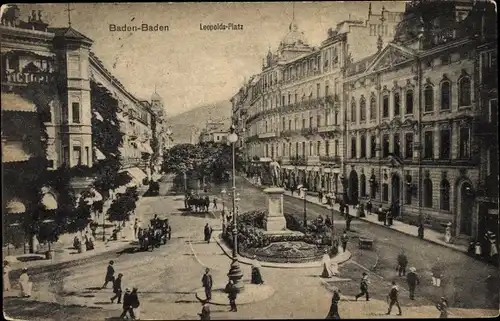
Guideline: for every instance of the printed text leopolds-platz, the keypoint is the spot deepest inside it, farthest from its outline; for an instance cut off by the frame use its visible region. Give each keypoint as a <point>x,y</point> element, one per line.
<point>221,26</point>
<point>142,27</point>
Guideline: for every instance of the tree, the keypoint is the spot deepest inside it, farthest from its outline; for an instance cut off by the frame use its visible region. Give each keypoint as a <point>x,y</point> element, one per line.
<point>124,205</point>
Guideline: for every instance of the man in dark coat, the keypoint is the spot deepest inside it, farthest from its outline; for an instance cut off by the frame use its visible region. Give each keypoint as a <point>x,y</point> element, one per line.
<point>344,239</point>
<point>334,307</point>
<point>348,219</point>
<point>110,275</point>
<point>215,203</point>
<point>232,293</point>
<point>392,297</point>
<point>208,233</point>
<point>413,281</point>
<point>117,289</point>
<point>363,286</point>
<point>207,282</point>
<point>369,206</point>
<point>127,305</point>
<point>328,222</point>
<point>402,263</point>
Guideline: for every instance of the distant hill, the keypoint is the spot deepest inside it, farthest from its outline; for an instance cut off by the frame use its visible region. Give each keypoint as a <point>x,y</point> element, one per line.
<point>194,120</point>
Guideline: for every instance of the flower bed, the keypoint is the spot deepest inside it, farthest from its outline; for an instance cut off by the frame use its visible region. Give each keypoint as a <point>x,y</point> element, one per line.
<point>280,248</point>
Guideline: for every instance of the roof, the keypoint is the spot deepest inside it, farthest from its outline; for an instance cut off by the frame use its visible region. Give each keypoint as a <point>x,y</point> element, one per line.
<point>69,33</point>
<point>360,65</point>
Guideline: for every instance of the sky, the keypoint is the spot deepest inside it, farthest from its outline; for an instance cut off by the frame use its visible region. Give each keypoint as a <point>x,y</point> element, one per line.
<point>188,66</point>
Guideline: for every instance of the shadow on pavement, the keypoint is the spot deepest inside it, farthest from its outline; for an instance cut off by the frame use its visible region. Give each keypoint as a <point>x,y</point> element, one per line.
<point>32,310</point>
<point>103,303</point>
<point>94,288</point>
<point>129,250</point>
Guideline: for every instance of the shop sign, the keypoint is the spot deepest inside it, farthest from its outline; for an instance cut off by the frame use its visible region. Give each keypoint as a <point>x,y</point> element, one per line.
<point>27,78</point>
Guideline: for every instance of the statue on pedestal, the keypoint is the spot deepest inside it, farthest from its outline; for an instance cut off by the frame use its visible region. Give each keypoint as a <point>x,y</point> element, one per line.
<point>274,168</point>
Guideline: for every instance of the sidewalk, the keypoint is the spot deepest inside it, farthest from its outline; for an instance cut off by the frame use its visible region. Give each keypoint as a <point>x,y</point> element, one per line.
<point>64,251</point>
<point>429,235</point>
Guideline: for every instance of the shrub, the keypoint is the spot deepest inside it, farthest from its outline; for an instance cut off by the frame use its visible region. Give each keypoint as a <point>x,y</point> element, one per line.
<point>255,218</point>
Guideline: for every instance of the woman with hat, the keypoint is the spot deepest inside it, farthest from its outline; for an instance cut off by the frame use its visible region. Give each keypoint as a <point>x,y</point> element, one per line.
<point>6,279</point>
<point>413,281</point>
<point>327,270</point>
<point>26,285</point>
<point>442,306</point>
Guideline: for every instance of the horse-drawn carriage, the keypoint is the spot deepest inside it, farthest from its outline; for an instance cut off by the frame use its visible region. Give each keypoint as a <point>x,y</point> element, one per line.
<point>196,203</point>
<point>156,234</point>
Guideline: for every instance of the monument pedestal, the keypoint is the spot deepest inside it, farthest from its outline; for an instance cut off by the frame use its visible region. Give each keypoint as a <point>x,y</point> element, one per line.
<point>276,222</point>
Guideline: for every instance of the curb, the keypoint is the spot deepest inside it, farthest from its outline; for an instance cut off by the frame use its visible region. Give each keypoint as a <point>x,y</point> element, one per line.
<point>359,218</point>
<point>311,265</point>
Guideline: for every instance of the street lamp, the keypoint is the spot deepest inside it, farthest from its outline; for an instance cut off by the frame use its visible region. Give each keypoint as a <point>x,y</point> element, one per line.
<point>234,273</point>
<point>304,191</point>
<point>223,214</point>
<point>333,227</point>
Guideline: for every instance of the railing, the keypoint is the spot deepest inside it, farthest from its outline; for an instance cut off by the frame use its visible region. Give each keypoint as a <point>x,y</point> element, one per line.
<point>268,135</point>
<point>329,159</point>
<point>285,160</point>
<point>306,132</point>
<point>252,138</point>
<point>312,160</point>
<point>328,128</point>
<point>298,160</point>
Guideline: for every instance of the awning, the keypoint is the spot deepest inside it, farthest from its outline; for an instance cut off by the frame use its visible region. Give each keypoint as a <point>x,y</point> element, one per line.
<point>98,116</point>
<point>14,152</point>
<point>147,148</point>
<point>49,201</point>
<point>15,206</point>
<point>136,174</point>
<point>13,102</point>
<point>99,154</point>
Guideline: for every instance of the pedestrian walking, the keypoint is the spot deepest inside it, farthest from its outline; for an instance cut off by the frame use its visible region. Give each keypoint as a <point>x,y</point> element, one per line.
<point>205,311</point>
<point>402,263</point>
<point>117,289</point>
<point>215,203</point>
<point>369,206</point>
<point>320,196</point>
<point>442,307</point>
<point>6,278</point>
<point>134,304</point>
<point>208,233</point>
<point>413,280</point>
<point>232,293</point>
<point>110,275</point>
<point>26,285</point>
<point>207,282</point>
<point>437,272</point>
<point>334,306</point>
<point>392,297</point>
<point>421,231</point>
<point>344,239</point>
<point>363,286</point>
<point>348,219</point>
<point>127,307</point>
<point>136,227</point>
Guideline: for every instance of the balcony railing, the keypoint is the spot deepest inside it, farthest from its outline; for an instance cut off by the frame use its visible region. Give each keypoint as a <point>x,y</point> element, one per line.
<point>329,159</point>
<point>268,135</point>
<point>285,160</point>
<point>328,128</point>
<point>312,160</point>
<point>298,160</point>
<point>307,132</point>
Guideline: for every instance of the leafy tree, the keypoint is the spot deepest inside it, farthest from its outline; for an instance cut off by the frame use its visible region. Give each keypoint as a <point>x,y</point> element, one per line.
<point>124,205</point>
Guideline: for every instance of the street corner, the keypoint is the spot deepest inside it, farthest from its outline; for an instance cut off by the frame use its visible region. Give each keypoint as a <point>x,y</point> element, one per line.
<point>251,293</point>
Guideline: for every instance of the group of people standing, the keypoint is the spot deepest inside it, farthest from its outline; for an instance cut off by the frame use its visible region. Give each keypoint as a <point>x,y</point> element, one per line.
<point>130,298</point>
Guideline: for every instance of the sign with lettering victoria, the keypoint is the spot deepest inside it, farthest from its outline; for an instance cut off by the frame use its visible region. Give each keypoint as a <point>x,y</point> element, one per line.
<point>26,77</point>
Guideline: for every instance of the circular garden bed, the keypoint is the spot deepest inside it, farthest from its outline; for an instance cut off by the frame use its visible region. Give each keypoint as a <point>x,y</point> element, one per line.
<point>286,252</point>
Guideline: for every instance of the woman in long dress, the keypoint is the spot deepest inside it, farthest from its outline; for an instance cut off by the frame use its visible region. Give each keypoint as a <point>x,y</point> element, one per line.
<point>26,285</point>
<point>327,270</point>
<point>256,275</point>
<point>6,279</point>
<point>334,307</point>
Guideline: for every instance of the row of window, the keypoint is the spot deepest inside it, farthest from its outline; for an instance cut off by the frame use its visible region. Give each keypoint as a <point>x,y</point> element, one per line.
<point>269,126</point>
<point>406,151</point>
<point>379,30</point>
<point>300,149</point>
<point>464,99</point>
<point>76,156</point>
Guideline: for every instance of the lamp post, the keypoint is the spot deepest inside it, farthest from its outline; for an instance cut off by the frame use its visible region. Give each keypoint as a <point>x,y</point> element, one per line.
<point>223,214</point>
<point>234,273</point>
<point>333,227</point>
<point>304,190</point>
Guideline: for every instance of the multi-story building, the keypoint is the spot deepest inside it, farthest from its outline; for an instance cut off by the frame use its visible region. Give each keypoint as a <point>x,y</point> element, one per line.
<point>294,106</point>
<point>215,132</point>
<point>412,142</point>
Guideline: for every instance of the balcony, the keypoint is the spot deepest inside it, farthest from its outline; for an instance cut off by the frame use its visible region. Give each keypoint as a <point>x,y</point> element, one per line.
<point>307,132</point>
<point>268,135</point>
<point>285,160</point>
<point>298,161</point>
<point>252,138</point>
<point>333,99</point>
<point>330,159</point>
<point>313,160</point>
<point>329,128</point>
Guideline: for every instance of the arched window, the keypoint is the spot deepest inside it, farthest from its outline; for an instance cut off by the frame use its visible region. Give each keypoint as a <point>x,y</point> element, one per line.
<point>353,111</point>
<point>397,104</point>
<point>363,146</point>
<point>409,101</point>
<point>373,108</point>
<point>362,109</point>
<point>464,92</point>
<point>427,190</point>
<point>445,195</point>
<point>445,95</point>
<point>362,180</point>
<point>429,98</point>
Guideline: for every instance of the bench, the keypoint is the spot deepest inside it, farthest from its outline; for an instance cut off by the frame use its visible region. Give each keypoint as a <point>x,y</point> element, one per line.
<point>365,243</point>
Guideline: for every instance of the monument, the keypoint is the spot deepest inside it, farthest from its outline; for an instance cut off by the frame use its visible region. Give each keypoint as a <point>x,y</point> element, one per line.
<point>276,222</point>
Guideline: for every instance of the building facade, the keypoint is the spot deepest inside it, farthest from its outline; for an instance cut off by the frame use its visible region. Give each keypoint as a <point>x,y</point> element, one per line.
<point>292,111</point>
<point>215,132</point>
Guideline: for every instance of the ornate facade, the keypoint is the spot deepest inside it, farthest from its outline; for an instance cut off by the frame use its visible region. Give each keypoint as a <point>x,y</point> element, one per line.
<point>412,137</point>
